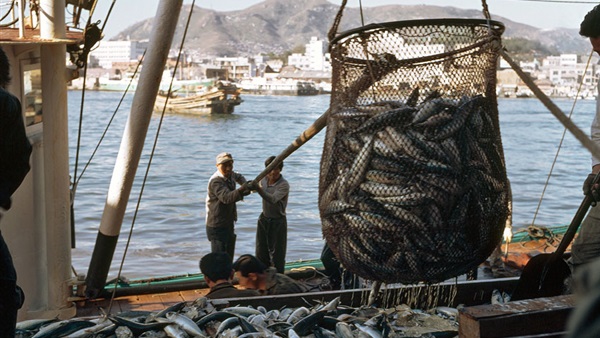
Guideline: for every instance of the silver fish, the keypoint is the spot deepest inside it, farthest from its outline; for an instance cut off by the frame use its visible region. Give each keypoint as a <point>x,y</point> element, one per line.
<point>174,331</point>
<point>62,328</point>
<point>186,324</point>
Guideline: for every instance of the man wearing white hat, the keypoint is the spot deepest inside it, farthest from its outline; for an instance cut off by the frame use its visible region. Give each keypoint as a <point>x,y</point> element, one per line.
<point>221,213</point>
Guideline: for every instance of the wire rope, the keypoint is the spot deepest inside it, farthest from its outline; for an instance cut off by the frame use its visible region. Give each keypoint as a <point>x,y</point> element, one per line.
<point>561,141</point>
<point>83,92</point>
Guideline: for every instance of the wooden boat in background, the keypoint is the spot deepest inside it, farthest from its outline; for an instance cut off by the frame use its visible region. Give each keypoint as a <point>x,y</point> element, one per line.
<point>221,99</point>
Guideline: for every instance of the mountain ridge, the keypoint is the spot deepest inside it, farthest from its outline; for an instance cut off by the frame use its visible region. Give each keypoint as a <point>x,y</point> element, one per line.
<point>277,26</point>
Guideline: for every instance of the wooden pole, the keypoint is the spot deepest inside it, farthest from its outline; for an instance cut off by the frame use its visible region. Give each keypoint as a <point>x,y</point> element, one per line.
<point>132,144</point>
<point>562,117</point>
<point>306,135</point>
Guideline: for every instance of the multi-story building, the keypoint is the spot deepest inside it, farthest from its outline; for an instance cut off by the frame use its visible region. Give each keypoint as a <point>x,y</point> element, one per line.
<point>109,52</point>
<point>237,67</point>
<point>314,57</point>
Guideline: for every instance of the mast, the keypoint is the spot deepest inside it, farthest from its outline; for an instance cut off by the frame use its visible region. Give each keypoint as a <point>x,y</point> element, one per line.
<point>132,144</point>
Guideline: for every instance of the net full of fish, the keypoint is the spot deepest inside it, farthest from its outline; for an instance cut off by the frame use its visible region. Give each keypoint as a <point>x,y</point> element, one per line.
<point>413,184</point>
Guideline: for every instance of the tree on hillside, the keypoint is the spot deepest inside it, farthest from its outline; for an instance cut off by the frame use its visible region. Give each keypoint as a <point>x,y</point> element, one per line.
<point>526,50</point>
<point>284,56</point>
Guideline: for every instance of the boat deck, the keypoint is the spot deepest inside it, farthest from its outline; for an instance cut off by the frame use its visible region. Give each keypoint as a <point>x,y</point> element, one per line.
<point>151,302</point>
<point>500,265</point>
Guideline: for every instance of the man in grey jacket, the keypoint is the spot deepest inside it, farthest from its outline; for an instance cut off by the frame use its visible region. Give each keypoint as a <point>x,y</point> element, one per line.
<point>271,229</point>
<point>221,213</point>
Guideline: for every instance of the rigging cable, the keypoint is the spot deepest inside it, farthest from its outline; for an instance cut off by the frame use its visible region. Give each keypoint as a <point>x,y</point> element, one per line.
<point>143,185</point>
<point>113,116</point>
<point>10,9</point>
<point>561,140</point>
<point>75,177</point>
<point>75,180</point>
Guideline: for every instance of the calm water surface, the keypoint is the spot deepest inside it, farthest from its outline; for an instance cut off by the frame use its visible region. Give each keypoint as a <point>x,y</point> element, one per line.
<point>168,236</point>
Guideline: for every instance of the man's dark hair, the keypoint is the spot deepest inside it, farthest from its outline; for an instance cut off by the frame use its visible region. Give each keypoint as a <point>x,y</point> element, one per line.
<point>216,266</point>
<point>590,26</point>
<point>4,69</point>
<point>249,264</point>
<point>270,159</point>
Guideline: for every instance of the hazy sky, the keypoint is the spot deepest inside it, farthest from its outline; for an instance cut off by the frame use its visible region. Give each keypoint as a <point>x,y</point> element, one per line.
<point>537,13</point>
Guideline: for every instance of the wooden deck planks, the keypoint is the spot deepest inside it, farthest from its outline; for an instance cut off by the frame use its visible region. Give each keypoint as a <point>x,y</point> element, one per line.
<point>152,302</point>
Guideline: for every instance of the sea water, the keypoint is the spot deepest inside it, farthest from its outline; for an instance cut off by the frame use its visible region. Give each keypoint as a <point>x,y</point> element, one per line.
<point>168,235</point>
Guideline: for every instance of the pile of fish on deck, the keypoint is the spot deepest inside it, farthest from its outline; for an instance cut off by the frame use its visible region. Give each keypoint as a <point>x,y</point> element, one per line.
<point>202,318</point>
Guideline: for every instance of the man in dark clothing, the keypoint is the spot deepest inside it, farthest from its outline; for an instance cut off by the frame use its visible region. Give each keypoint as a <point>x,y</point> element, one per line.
<point>253,274</point>
<point>15,150</point>
<point>218,274</point>
<point>221,213</point>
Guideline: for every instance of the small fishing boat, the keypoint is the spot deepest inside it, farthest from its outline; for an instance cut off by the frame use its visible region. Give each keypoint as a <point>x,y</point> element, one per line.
<point>221,99</point>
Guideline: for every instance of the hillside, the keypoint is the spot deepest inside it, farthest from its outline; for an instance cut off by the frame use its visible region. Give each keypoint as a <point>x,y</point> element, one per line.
<point>276,26</point>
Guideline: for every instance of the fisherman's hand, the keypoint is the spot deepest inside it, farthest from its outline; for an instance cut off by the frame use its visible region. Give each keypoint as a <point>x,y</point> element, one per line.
<point>252,185</point>
<point>244,189</point>
<point>592,191</point>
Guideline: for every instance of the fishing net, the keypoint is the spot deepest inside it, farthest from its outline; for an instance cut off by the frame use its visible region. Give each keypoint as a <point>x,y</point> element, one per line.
<point>413,185</point>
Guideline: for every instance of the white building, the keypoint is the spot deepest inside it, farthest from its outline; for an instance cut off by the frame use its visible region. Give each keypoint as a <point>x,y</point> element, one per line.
<point>561,69</point>
<point>109,52</point>
<point>314,57</point>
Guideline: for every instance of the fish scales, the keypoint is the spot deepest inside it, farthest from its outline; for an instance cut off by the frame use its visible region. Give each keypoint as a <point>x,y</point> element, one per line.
<point>386,177</point>
<point>431,107</point>
<point>395,117</point>
<point>358,170</point>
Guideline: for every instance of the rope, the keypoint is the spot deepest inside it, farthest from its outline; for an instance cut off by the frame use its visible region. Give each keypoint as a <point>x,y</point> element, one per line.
<point>111,119</point>
<point>12,5</point>
<point>486,11</point>
<point>362,17</point>
<point>336,22</point>
<point>561,141</point>
<point>137,207</point>
<point>83,90</point>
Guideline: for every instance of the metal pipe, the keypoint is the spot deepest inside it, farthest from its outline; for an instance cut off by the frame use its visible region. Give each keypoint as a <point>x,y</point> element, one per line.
<point>132,144</point>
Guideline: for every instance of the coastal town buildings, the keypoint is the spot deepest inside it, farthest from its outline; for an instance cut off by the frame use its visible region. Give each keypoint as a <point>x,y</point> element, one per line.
<point>564,75</point>
<point>109,52</point>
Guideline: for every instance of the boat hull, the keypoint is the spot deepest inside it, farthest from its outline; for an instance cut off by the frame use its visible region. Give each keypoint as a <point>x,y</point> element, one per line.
<point>205,104</point>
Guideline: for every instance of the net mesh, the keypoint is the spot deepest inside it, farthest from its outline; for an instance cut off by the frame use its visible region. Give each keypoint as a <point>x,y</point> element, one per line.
<point>413,184</point>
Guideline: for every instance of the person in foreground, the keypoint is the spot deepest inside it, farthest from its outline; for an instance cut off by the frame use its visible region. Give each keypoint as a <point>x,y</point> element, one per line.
<point>585,251</point>
<point>15,150</point>
<point>586,246</point>
<point>271,229</point>
<point>218,274</point>
<point>253,274</point>
<point>221,213</point>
